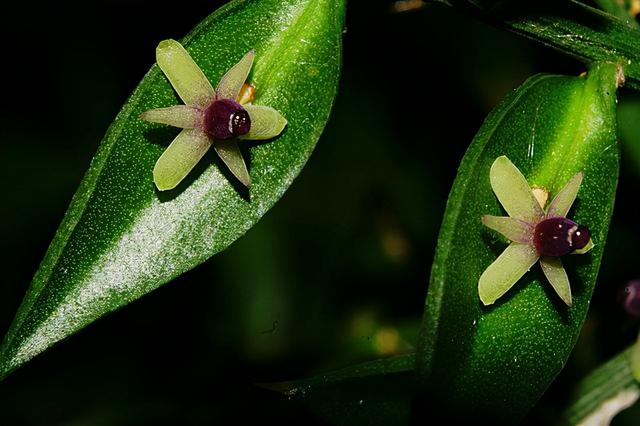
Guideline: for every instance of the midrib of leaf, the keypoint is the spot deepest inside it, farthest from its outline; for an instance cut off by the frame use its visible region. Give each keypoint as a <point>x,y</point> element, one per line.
<point>576,29</point>
<point>282,45</point>
<point>553,173</point>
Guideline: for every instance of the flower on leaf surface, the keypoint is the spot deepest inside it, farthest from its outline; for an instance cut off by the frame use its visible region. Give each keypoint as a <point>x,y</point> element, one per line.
<point>535,234</point>
<point>209,117</point>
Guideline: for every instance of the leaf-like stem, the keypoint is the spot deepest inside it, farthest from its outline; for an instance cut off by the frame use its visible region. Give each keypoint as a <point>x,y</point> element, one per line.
<point>583,32</point>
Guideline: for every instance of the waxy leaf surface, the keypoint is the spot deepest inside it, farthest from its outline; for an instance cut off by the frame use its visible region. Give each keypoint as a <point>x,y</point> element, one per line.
<point>121,238</point>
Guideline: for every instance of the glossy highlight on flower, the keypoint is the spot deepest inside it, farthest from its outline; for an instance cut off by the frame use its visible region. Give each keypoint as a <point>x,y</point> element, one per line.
<point>535,234</point>
<point>209,117</point>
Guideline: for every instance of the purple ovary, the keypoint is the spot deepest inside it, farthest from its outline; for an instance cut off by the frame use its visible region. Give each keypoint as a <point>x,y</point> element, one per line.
<point>225,119</point>
<point>558,236</point>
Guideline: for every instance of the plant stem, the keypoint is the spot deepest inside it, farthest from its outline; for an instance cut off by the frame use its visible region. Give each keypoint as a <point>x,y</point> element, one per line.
<point>605,392</point>
<point>583,32</point>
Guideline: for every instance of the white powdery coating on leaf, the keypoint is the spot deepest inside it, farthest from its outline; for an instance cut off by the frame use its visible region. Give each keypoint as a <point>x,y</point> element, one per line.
<point>139,261</point>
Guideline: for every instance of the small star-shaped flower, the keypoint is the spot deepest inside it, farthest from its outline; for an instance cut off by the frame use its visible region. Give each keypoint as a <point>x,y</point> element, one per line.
<point>535,234</point>
<point>217,117</point>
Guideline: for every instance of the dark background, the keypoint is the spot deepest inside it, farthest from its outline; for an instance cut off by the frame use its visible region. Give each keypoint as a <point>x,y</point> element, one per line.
<point>337,271</point>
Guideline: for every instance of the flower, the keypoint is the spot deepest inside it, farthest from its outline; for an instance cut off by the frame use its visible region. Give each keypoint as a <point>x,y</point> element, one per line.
<point>209,117</point>
<point>535,234</point>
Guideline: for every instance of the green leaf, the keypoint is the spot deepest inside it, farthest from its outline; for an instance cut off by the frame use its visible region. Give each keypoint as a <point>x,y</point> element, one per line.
<point>620,9</point>
<point>372,393</point>
<point>605,392</point>
<point>494,362</point>
<point>581,31</point>
<point>121,238</point>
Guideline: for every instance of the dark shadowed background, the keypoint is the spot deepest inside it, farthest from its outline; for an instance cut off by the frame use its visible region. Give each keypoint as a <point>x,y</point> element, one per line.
<point>335,274</point>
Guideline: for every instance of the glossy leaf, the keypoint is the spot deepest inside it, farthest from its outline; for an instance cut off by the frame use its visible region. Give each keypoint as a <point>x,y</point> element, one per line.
<point>583,32</point>
<point>120,238</point>
<point>495,362</point>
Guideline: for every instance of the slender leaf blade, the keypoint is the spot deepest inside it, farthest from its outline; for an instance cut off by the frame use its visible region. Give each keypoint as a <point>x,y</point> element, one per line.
<point>120,238</point>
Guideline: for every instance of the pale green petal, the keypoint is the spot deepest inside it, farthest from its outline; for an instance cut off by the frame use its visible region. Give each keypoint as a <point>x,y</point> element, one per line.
<point>515,230</point>
<point>562,202</point>
<point>182,116</point>
<point>584,249</point>
<point>179,158</point>
<point>229,152</point>
<point>557,276</point>
<point>230,85</point>
<point>513,191</point>
<point>634,359</point>
<point>505,271</point>
<point>266,122</point>
<point>185,76</point>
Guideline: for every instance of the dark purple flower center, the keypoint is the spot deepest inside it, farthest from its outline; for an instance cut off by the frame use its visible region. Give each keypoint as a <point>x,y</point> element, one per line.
<point>558,236</point>
<point>225,119</point>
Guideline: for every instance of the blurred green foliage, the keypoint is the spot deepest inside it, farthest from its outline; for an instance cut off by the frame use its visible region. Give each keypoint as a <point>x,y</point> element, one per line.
<point>335,274</point>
